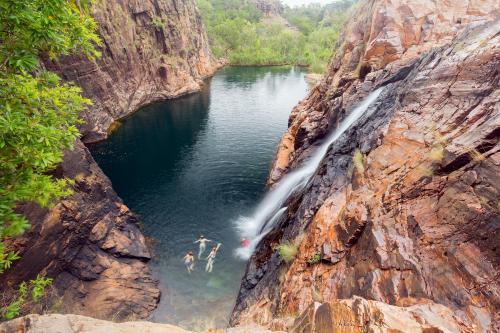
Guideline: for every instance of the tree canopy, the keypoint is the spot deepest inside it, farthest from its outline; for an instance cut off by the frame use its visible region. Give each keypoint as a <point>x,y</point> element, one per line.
<point>303,35</point>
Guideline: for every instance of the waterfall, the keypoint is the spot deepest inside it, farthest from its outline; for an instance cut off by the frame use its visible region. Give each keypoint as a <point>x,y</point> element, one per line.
<point>269,211</point>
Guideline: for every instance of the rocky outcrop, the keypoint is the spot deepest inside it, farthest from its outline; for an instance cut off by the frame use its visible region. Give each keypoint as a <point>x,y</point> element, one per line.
<point>57,323</point>
<point>379,36</point>
<point>358,315</point>
<point>91,245</point>
<point>269,7</point>
<point>404,207</point>
<point>152,50</point>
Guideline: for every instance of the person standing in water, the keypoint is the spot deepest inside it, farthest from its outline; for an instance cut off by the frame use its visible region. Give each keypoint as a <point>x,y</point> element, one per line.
<point>211,258</point>
<point>203,245</point>
<point>189,261</point>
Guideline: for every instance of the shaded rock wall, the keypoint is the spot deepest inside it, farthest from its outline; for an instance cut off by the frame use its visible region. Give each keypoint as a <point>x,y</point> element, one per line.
<point>416,222</point>
<point>91,244</point>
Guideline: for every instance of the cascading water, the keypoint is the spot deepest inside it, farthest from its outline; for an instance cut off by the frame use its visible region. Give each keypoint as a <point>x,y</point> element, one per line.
<point>271,207</point>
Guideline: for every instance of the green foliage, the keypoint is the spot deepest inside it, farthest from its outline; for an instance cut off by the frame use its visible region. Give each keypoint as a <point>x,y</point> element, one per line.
<point>37,122</point>
<point>238,33</point>
<point>157,22</point>
<point>287,251</point>
<point>35,288</point>
<point>38,286</point>
<point>314,259</point>
<point>38,113</point>
<point>31,27</point>
<point>359,161</point>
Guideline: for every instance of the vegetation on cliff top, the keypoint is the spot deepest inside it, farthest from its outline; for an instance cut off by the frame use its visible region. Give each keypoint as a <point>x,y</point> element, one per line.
<point>240,32</point>
<point>38,113</point>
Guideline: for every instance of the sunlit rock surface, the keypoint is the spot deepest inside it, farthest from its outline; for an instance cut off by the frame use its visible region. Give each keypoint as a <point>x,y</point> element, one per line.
<point>358,315</point>
<point>415,220</point>
<point>57,323</point>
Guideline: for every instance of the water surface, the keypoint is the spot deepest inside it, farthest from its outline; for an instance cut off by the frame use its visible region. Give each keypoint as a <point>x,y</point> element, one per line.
<point>192,166</point>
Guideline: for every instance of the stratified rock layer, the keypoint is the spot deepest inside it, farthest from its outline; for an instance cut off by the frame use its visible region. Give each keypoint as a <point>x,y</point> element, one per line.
<point>414,218</point>
<point>152,50</point>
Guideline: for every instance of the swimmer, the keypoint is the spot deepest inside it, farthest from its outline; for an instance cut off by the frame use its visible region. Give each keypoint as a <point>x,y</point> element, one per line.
<point>189,261</point>
<point>211,258</point>
<point>203,245</point>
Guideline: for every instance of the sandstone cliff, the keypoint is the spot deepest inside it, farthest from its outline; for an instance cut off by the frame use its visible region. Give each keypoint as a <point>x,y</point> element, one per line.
<point>412,221</point>
<point>90,243</point>
<point>152,50</point>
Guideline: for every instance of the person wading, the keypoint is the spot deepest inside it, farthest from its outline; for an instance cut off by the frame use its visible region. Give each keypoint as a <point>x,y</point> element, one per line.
<point>189,261</point>
<point>211,258</point>
<point>203,245</point>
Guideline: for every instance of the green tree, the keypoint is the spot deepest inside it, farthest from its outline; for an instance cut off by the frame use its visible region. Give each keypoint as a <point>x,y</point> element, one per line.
<point>238,33</point>
<point>38,113</point>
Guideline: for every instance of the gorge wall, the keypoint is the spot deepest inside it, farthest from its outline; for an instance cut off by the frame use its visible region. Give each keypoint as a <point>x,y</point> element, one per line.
<point>152,50</point>
<point>412,221</point>
<point>90,242</point>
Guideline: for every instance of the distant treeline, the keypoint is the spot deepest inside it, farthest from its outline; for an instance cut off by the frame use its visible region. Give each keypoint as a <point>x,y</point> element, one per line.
<point>244,35</point>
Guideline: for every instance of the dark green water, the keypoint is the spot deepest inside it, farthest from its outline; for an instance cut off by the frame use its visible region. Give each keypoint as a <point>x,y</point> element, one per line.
<point>191,166</point>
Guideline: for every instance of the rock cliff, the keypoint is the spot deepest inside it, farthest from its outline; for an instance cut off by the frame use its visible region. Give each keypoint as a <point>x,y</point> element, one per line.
<point>403,209</point>
<point>90,243</point>
<point>269,7</point>
<point>152,50</point>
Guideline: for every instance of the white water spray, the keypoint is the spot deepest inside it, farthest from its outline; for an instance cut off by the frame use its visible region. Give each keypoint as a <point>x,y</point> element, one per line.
<point>271,207</point>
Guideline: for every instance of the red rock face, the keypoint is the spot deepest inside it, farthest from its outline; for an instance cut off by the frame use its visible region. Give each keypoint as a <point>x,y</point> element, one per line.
<point>91,245</point>
<point>414,218</point>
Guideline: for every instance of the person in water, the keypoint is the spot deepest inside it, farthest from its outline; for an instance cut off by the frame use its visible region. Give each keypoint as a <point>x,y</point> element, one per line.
<point>189,261</point>
<point>203,245</point>
<point>244,242</point>
<point>211,258</point>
